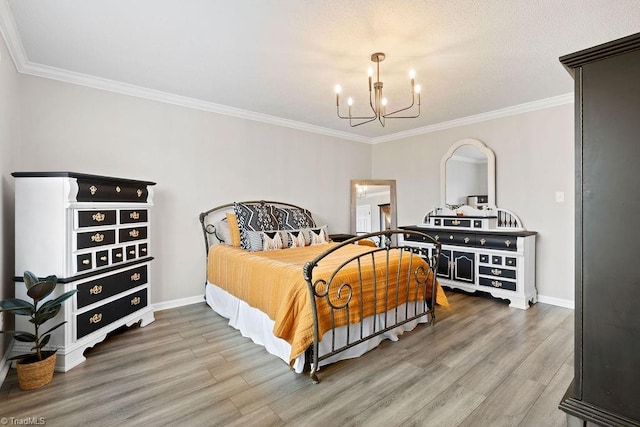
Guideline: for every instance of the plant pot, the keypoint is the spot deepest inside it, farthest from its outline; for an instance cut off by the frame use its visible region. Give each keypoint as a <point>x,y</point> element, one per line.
<point>36,374</point>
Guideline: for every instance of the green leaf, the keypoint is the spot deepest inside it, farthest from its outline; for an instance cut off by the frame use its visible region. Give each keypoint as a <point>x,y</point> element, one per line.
<point>24,337</point>
<point>44,341</point>
<point>20,356</point>
<point>43,316</point>
<point>40,290</point>
<point>30,279</point>
<point>18,306</point>
<point>59,300</point>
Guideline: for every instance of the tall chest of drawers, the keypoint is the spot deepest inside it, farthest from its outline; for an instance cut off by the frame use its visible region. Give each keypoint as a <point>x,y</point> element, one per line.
<point>93,233</point>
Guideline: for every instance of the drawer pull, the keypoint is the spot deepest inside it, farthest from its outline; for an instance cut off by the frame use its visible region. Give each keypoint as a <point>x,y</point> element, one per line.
<point>135,301</point>
<point>466,240</point>
<point>507,242</point>
<point>103,258</point>
<point>96,318</point>
<point>496,272</point>
<point>118,189</point>
<point>135,277</point>
<point>134,233</point>
<point>483,241</point>
<point>455,222</point>
<point>436,237</point>
<point>132,252</point>
<point>119,255</point>
<point>139,192</point>
<point>86,261</point>
<point>98,217</point>
<point>96,290</point>
<point>134,215</point>
<point>451,237</point>
<point>93,189</point>
<point>97,238</point>
<point>496,283</point>
<point>143,250</point>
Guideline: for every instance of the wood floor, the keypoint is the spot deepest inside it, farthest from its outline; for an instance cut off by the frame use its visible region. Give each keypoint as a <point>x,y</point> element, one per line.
<point>483,364</point>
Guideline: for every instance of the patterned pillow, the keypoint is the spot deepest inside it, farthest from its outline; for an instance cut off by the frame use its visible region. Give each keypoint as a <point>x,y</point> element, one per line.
<point>267,240</point>
<point>253,217</point>
<point>292,218</point>
<point>272,240</point>
<point>319,236</point>
<point>297,238</point>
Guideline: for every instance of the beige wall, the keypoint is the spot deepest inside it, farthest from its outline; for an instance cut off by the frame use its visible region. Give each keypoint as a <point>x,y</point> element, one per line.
<point>198,159</point>
<point>534,160</point>
<point>8,138</point>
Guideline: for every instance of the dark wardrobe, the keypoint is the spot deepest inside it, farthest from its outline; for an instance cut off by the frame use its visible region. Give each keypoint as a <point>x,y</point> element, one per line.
<point>606,386</point>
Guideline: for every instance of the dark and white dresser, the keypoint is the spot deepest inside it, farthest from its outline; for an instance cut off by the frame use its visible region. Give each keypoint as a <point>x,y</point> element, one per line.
<point>93,233</point>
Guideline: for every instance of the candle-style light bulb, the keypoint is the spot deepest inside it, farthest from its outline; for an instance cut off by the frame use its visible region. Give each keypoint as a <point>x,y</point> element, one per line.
<point>370,72</point>
<point>350,101</point>
<point>412,74</point>
<point>416,89</point>
<point>384,102</point>
<point>338,89</point>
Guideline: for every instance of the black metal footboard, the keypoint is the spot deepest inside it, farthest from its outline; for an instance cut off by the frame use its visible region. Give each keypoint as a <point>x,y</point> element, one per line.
<point>370,293</point>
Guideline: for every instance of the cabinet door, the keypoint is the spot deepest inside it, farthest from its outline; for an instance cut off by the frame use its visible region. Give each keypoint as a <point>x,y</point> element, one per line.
<point>444,264</point>
<point>464,266</point>
<point>610,204</point>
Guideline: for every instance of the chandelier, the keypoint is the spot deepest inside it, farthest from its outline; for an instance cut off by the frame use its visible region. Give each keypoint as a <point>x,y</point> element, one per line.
<point>377,101</point>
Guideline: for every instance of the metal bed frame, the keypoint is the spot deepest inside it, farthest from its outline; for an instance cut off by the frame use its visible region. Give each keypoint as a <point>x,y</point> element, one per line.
<point>389,318</point>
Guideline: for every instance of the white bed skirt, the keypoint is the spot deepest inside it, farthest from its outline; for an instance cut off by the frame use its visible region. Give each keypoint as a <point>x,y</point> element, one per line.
<point>254,324</point>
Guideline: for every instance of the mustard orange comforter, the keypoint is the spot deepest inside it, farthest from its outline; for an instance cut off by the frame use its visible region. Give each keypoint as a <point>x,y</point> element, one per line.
<point>273,282</point>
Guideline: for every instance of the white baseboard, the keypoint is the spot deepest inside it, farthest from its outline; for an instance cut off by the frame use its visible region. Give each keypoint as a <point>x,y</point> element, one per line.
<point>5,364</point>
<point>566,303</point>
<point>159,306</point>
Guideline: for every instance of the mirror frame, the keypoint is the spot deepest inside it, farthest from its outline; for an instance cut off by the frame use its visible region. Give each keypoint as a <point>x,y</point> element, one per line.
<point>392,199</point>
<point>491,170</point>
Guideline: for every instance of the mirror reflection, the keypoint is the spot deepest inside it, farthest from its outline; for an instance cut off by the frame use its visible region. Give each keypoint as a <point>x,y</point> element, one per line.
<point>373,206</point>
<point>466,175</point>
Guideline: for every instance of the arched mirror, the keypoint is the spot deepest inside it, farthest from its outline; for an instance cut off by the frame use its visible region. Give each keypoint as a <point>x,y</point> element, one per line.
<point>468,176</point>
<point>373,205</point>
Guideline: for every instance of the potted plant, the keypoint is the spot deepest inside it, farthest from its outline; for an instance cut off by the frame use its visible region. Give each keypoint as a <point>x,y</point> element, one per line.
<point>35,369</point>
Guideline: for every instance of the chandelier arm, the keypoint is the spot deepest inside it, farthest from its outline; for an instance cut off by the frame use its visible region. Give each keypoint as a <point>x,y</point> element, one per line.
<point>413,101</point>
<point>353,117</point>
<point>361,123</point>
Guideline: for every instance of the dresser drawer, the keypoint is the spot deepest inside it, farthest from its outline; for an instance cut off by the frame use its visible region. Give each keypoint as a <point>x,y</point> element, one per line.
<point>498,272</point>
<point>142,250</point>
<point>497,283</point>
<point>84,262</point>
<point>130,234</point>
<point>457,239</point>
<point>95,218</point>
<point>97,238</point>
<point>504,243</point>
<point>130,252</point>
<point>117,255</point>
<point>131,216</point>
<point>100,317</point>
<point>457,223</point>
<point>99,289</point>
<point>102,258</point>
<point>108,191</point>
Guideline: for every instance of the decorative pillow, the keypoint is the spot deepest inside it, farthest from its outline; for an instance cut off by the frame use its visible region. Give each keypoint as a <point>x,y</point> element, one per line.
<point>234,231</point>
<point>319,236</point>
<point>292,218</point>
<point>222,231</point>
<point>272,240</point>
<point>253,217</point>
<point>297,238</point>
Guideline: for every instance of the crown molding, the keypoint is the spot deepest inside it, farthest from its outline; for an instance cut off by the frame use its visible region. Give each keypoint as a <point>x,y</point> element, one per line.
<point>483,117</point>
<point>9,31</point>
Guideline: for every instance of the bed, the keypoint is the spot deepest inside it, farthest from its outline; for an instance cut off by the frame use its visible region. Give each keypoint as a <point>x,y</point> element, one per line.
<point>280,280</point>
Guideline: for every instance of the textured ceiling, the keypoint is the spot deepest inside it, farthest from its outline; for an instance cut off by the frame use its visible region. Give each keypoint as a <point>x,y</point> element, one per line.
<point>280,60</point>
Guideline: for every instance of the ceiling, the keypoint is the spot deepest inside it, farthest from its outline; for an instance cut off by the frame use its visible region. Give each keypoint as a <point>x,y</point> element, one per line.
<point>278,61</point>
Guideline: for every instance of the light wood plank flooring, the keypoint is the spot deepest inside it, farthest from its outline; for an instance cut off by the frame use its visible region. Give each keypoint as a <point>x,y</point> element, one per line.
<point>483,364</point>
